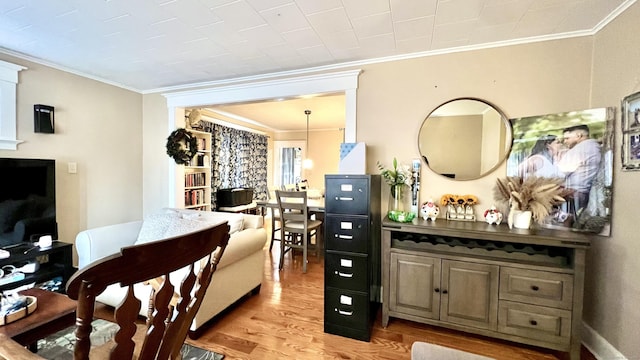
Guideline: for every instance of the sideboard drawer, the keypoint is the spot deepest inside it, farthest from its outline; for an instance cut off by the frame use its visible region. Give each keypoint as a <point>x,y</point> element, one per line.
<point>347,233</point>
<point>347,308</point>
<point>536,287</point>
<point>346,271</point>
<point>537,322</point>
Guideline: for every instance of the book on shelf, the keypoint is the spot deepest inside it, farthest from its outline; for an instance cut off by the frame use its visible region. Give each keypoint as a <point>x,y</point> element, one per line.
<point>194,197</point>
<point>202,144</point>
<point>195,179</point>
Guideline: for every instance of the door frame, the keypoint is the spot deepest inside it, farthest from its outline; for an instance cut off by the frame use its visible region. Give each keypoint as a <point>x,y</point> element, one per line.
<point>327,83</point>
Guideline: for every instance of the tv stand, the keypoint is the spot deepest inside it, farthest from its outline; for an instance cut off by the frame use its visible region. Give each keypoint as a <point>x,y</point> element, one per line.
<point>519,285</point>
<point>54,261</point>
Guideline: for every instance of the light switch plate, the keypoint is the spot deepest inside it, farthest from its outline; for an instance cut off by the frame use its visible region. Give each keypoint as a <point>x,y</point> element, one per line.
<point>72,167</point>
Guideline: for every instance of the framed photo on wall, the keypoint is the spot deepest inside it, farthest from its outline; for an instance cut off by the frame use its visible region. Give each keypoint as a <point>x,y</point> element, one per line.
<point>631,112</point>
<point>631,150</point>
<point>631,132</point>
<point>576,147</point>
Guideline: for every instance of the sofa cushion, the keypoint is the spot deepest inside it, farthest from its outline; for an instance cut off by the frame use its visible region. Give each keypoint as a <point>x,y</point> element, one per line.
<point>236,221</point>
<point>155,226</point>
<point>166,225</point>
<point>174,222</point>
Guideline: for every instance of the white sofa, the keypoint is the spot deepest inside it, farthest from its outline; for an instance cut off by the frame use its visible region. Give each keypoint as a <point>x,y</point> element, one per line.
<point>239,272</point>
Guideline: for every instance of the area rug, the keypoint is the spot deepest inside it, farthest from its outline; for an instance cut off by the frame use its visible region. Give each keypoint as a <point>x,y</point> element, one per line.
<point>59,346</point>
<point>426,351</point>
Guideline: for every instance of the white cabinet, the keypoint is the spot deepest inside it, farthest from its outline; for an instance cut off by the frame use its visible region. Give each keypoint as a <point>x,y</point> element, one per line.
<point>194,179</point>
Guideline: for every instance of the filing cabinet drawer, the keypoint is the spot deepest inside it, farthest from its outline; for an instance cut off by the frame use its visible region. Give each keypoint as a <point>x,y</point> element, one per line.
<point>346,271</point>
<point>535,322</point>
<point>536,287</point>
<point>344,195</point>
<point>346,233</point>
<point>346,308</point>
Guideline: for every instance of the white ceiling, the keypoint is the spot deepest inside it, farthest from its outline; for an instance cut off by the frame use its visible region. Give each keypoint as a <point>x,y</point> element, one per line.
<point>160,45</point>
<point>327,113</point>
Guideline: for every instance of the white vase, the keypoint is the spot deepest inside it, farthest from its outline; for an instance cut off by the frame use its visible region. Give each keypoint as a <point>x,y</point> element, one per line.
<point>521,219</point>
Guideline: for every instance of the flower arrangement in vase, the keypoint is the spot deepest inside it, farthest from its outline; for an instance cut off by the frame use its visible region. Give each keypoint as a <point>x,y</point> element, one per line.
<point>459,207</point>
<point>399,179</point>
<point>534,196</point>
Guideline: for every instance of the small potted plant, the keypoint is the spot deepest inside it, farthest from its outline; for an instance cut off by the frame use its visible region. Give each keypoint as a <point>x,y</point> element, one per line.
<point>532,198</point>
<point>399,179</point>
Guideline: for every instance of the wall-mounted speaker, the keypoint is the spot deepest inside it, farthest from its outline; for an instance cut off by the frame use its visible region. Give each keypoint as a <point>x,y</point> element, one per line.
<point>43,118</point>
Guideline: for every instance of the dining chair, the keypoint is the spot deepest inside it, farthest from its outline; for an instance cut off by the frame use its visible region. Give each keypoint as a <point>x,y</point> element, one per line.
<point>275,220</point>
<point>297,229</point>
<point>303,185</point>
<point>288,187</point>
<point>192,261</point>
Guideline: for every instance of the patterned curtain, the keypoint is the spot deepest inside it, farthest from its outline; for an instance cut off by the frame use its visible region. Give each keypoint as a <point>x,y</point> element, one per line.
<point>239,159</point>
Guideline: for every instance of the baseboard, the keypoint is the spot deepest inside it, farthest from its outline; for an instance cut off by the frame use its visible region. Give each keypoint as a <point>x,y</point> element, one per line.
<point>598,346</point>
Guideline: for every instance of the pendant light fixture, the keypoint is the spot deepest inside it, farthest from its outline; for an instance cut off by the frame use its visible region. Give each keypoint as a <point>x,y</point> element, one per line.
<point>307,163</point>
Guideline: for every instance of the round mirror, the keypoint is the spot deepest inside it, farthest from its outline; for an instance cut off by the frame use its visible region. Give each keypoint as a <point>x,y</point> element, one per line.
<point>465,139</point>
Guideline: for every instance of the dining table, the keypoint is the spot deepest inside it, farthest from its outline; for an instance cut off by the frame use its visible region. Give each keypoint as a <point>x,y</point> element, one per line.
<point>314,205</point>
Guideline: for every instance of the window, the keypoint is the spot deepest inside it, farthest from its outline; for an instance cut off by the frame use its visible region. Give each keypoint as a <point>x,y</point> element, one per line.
<point>288,162</point>
<point>8,125</point>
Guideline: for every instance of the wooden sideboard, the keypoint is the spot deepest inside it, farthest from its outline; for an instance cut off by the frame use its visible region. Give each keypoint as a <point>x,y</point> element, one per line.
<point>519,285</point>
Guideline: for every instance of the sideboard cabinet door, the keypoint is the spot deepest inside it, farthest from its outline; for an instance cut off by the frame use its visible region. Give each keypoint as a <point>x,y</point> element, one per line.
<point>415,285</point>
<point>470,294</point>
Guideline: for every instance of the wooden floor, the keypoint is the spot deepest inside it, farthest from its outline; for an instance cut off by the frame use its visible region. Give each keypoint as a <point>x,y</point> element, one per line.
<point>285,321</point>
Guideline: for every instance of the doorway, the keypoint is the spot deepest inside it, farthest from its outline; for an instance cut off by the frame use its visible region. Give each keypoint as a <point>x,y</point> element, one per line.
<point>345,82</point>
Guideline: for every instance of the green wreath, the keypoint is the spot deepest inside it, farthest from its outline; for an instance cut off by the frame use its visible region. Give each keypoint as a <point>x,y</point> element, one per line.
<point>182,146</point>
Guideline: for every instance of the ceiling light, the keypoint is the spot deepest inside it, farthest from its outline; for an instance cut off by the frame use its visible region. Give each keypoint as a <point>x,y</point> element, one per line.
<point>307,163</point>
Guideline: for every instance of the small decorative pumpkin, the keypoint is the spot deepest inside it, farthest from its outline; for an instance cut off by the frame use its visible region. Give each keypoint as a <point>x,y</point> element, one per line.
<point>429,210</point>
<point>493,216</point>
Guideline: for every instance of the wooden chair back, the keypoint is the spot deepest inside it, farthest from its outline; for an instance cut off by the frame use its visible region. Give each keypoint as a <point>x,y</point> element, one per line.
<point>294,216</point>
<point>167,325</point>
<point>288,187</point>
<point>292,206</point>
<point>303,185</point>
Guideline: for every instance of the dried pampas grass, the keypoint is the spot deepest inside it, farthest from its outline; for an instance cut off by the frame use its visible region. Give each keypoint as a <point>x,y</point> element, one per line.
<point>537,194</point>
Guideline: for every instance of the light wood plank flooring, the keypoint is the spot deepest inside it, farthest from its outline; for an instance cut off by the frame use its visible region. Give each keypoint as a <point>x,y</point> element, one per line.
<point>285,321</point>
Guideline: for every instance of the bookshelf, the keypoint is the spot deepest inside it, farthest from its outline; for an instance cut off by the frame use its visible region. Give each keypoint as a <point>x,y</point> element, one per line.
<point>196,176</point>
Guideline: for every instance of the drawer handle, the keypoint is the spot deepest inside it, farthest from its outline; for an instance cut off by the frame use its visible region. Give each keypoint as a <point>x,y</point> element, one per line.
<point>345,275</point>
<point>533,322</point>
<point>344,198</point>
<point>347,313</point>
<point>436,290</point>
<point>445,291</point>
<point>535,287</point>
<point>345,237</point>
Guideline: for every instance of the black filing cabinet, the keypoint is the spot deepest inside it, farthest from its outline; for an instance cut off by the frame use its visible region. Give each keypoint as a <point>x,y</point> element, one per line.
<point>352,254</point>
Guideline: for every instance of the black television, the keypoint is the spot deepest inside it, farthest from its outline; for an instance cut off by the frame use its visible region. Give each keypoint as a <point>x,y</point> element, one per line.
<point>27,200</point>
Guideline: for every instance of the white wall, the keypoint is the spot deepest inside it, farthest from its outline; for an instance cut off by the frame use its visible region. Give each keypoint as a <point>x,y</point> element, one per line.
<point>611,307</point>
<point>97,126</point>
<point>523,80</point>
<point>324,151</point>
